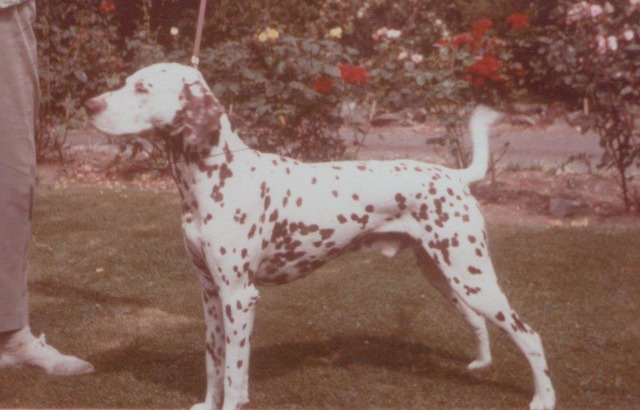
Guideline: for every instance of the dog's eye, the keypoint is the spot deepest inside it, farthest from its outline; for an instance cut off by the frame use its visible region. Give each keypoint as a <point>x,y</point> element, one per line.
<point>141,89</point>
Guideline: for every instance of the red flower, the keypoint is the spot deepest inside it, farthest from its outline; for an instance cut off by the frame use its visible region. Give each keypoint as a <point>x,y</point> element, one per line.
<point>480,82</point>
<point>480,28</point>
<point>323,85</point>
<point>455,42</point>
<point>461,39</point>
<point>487,66</point>
<point>484,70</point>
<point>354,74</point>
<point>517,20</point>
<point>107,6</point>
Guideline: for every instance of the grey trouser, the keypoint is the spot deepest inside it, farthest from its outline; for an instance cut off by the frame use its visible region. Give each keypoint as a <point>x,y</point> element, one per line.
<point>19,94</point>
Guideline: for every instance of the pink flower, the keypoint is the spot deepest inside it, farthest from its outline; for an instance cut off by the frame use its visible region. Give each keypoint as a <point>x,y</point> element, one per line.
<point>602,44</point>
<point>385,32</point>
<point>578,11</point>
<point>612,43</point>
<point>461,39</point>
<point>417,58</point>
<point>596,11</point>
<point>381,32</point>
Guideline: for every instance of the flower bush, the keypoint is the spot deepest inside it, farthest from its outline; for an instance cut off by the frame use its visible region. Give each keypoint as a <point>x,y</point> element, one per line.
<point>590,57</point>
<point>286,89</point>
<point>449,73</point>
<point>304,60</point>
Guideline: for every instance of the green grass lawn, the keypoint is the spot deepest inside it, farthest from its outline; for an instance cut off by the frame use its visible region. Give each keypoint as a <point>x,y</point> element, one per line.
<point>111,283</point>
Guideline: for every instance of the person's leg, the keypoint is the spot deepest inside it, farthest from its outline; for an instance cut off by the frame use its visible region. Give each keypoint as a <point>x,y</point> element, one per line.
<point>18,102</point>
<point>19,94</point>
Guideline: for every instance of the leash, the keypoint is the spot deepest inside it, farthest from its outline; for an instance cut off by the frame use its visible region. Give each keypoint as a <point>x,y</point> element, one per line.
<point>195,58</point>
<point>219,154</point>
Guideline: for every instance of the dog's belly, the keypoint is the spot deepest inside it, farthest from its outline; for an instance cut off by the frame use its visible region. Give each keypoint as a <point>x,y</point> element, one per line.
<point>292,255</point>
<point>279,270</point>
<point>289,265</point>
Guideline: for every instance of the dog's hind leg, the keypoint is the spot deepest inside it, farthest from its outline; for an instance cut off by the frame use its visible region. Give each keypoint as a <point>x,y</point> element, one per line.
<point>488,300</point>
<point>474,283</point>
<point>475,321</point>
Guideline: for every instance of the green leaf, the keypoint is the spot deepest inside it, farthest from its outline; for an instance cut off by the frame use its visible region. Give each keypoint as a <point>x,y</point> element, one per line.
<point>296,85</point>
<point>81,76</point>
<point>331,70</point>
<point>627,90</point>
<point>61,130</point>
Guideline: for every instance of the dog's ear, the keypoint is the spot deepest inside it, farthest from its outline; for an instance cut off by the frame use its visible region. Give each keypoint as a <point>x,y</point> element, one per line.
<point>200,115</point>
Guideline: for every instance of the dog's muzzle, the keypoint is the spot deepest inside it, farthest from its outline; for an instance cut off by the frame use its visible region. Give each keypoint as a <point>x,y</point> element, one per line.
<point>95,106</point>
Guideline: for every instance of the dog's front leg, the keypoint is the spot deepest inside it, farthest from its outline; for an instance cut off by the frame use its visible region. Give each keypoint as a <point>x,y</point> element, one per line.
<point>215,347</point>
<point>238,302</point>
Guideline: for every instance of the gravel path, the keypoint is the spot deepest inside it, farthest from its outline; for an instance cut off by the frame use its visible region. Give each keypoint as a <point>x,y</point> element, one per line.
<point>529,147</point>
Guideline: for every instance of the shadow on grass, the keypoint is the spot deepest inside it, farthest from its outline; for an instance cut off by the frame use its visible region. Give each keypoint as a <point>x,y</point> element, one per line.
<point>388,353</point>
<point>181,371</point>
<point>184,371</point>
<point>58,289</point>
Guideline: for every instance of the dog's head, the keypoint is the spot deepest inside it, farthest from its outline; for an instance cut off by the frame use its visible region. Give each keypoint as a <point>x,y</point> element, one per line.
<point>170,99</point>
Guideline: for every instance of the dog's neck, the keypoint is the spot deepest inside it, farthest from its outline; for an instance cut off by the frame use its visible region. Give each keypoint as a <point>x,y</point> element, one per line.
<point>195,169</point>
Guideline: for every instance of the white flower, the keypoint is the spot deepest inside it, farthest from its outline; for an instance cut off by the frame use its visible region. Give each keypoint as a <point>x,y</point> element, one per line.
<point>268,34</point>
<point>612,42</point>
<point>629,35</point>
<point>174,31</point>
<point>438,22</point>
<point>634,2</point>
<point>596,10</point>
<point>403,55</point>
<point>578,11</point>
<point>393,34</point>
<point>417,58</point>
<point>273,34</point>
<point>335,32</point>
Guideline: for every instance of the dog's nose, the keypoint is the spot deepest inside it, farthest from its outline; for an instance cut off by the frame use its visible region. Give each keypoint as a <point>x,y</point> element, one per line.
<point>94,106</point>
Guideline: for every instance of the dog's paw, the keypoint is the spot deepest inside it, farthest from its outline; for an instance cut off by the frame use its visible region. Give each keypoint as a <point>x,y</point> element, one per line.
<point>479,364</point>
<point>546,402</point>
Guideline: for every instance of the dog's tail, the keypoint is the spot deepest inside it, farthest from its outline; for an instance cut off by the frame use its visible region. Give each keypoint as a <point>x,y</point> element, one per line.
<point>481,120</point>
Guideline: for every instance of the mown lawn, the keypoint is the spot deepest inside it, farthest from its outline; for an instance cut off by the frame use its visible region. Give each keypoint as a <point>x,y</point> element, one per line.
<point>110,282</point>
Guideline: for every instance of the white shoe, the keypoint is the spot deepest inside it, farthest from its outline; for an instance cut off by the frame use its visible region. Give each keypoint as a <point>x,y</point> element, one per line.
<point>23,349</point>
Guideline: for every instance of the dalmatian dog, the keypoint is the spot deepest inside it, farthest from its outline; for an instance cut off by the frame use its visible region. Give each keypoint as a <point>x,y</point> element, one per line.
<point>252,219</point>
